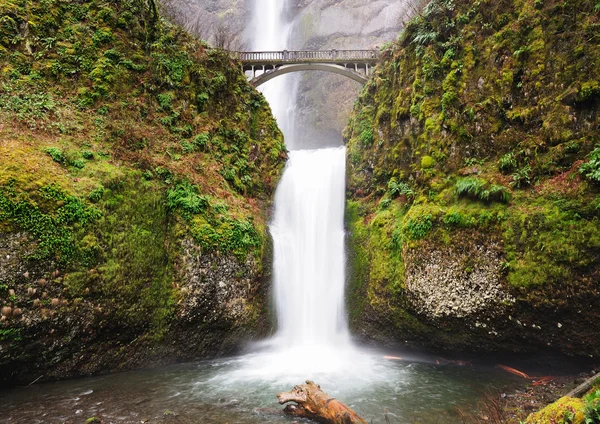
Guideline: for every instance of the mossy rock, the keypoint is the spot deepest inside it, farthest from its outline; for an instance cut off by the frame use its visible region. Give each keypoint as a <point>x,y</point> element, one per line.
<point>566,410</point>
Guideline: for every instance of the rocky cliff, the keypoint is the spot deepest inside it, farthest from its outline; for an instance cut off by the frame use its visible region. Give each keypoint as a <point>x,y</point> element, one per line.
<point>136,168</point>
<point>324,101</point>
<point>474,172</point>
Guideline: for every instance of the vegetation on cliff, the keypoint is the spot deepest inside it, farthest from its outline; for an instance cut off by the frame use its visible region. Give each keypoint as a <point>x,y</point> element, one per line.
<point>125,144</point>
<point>479,135</point>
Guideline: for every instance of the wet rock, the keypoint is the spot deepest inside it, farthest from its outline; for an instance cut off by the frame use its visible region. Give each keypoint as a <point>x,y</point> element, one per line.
<point>450,283</point>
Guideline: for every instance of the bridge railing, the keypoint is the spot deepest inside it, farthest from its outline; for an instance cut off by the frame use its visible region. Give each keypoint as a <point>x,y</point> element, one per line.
<point>307,55</point>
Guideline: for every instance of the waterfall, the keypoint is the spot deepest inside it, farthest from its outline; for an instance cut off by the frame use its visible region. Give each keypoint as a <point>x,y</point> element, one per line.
<point>308,242</point>
<point>312,336</point>
<point>308,226</point>
<point>271,33</point>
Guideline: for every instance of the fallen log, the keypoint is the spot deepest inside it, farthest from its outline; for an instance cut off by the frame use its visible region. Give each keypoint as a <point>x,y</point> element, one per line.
<point>313,403</point>
<point>584,387</point>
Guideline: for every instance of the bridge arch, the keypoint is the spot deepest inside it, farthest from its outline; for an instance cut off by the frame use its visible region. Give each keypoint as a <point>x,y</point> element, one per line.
<point>353,64</point>
<point>297,67</point>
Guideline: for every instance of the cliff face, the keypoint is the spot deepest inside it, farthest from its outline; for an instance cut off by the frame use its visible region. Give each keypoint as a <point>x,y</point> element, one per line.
<point>474,180</point>
<point>136,166</point>
<point>325,100</point>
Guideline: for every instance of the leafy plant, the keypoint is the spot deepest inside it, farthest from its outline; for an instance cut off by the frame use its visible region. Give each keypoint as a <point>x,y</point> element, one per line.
<point>507,163</point>
<point>398,188</point>
<point>522,177</point>
<point>591,168</point>
<point>385,202</point>
<point>184,196</point>
<point>54,231</point>
<point>418,227</point>
<point>480,189</point>
<point>56,154</point>
<point>591,411</point>
<point>201,140</point>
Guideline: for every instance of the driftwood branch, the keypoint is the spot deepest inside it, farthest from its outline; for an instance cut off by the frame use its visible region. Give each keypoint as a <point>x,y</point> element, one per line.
<point>313,403</point>
<point>583,387</point>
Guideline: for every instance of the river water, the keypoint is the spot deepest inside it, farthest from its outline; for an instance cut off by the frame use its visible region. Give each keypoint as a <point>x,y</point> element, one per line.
<point>223,391</point>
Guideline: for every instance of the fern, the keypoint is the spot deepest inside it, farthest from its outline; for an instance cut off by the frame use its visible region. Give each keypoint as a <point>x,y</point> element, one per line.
<point>591,168</point>
<point>521,177</point>
<point>184,196</point>
<point>424,38</point>
<point>398,188</point>
<point>479,189</point>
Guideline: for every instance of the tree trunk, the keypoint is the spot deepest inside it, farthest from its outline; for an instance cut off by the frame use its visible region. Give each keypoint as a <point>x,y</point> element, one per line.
<point>313,403</point>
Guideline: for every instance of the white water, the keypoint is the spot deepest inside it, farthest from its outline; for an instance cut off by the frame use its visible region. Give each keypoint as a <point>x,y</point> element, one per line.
<point>271,32</point>
<point>308,246</point>
<point>312,339</point>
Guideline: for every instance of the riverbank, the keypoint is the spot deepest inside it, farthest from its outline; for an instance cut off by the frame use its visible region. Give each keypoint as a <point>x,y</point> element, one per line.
<point>513,407</point>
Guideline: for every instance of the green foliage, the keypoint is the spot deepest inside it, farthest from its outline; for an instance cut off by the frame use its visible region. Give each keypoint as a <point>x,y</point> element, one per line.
<point>89,155</point>
<point>53,230</point>
<point>418,227</point>
<point>479,189</point>
<point>96,195</point>
<point>366,133</point>
<point>591,168</point>
<point>184,196</point>
<point>592,407</point>
<point>398,188</point>
<point>522,177</point>
<point>56,154</point>
<point>28,107</point>
<point>201,140</point>
<point>588,91</point>
<point>507,163</point>
<point>385,202</point>
<point>10,335</point>
<point>427,162</point>
<point>228,235</point>
<point>165,100</point>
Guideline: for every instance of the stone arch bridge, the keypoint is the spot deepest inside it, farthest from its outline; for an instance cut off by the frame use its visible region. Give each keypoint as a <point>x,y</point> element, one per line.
<point>261,67</point>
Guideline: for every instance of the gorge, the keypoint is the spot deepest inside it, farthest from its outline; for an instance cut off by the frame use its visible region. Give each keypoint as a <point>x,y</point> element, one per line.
<point>140,224</point>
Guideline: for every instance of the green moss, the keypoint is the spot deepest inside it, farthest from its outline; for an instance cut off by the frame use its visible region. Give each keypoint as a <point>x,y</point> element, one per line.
<point>427,162</point>
<point>487,113</point>
<point>55,226</point>
<point>564,411</point>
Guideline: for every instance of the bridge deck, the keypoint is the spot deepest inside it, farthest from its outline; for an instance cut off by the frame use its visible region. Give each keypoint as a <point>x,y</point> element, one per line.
<point>303,56</point>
